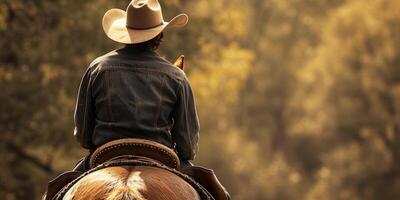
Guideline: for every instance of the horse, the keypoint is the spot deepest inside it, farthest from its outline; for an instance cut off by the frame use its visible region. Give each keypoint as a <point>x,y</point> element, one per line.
<point>128,169</point>
<point>131,183</point>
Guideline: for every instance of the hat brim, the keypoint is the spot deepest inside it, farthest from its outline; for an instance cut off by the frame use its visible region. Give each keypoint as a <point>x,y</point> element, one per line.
<point>114,25</point>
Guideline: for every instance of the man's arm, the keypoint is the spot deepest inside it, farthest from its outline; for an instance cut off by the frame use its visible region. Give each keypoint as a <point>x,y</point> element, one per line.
<point>185,131</point>
<point>84,113</point>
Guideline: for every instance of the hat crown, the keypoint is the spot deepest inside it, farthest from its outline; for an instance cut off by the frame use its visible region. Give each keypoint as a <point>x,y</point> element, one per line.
<point>144,14</point>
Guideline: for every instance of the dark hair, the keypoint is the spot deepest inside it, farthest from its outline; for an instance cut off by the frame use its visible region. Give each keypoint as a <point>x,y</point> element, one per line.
<point>152,44</point>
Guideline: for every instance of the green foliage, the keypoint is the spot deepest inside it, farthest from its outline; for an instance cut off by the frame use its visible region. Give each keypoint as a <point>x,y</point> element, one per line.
<point>297,99</point>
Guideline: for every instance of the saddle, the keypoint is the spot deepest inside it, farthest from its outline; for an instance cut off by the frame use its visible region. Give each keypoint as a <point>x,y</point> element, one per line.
<point>134,148</point>
<point>124,149</point>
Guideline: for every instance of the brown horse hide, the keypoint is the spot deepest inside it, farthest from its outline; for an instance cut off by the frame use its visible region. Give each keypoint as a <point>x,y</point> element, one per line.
<point>132,183</point>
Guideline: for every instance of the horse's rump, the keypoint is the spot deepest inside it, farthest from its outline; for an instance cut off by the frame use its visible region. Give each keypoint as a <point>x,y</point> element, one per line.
<point>131,183</point>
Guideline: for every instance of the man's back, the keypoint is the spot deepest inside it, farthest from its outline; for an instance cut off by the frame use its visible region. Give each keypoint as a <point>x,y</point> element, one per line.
<point>134,93</point>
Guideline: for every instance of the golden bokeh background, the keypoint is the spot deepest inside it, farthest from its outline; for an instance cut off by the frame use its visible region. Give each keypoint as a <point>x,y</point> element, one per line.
<point>298,99</point>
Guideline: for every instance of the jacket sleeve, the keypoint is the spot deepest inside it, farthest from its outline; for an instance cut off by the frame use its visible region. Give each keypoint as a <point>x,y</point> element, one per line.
<point>84,113</point>
<point>185,131</point>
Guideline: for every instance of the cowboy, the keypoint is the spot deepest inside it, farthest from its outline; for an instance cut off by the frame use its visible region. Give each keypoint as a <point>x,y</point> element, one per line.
<point>133,92</point>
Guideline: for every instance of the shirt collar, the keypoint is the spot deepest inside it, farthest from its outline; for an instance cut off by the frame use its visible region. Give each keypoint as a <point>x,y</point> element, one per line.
<point>136,51</point>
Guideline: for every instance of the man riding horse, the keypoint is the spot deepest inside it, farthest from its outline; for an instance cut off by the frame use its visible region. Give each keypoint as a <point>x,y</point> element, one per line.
<point>133,92</point>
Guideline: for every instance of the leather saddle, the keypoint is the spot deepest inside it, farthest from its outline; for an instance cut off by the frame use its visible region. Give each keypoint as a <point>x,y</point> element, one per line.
<point>136,149</point>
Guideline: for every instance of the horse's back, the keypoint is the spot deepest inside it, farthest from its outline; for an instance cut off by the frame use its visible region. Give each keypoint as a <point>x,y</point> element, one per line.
<point>132,183</point>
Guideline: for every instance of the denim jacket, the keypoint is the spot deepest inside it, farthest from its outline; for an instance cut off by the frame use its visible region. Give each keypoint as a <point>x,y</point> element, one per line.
<point>132,93</point>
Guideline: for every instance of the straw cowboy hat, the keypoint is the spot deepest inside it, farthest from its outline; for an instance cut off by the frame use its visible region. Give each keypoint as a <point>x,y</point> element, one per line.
<point>142,21</point>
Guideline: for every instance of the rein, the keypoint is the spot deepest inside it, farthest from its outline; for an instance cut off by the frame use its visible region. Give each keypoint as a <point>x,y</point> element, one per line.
<point>203,193</point>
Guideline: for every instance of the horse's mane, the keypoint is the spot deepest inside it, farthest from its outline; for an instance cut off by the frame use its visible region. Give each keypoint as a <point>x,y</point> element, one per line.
<point>130,183</point>
<point>119,183</point>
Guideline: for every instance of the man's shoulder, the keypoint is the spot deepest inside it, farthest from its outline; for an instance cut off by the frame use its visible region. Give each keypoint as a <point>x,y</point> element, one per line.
<point>95,67</point>
<point>172,68</point>
<point>103,58</point>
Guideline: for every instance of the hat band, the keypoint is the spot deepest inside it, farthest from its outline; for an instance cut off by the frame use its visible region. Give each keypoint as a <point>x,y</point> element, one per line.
<point>134,28</point>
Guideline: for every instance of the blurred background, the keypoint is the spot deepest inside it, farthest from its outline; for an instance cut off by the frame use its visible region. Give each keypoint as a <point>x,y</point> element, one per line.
<point>298,99</point>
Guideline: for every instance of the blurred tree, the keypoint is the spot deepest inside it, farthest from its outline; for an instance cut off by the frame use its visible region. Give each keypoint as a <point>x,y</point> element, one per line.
<point>282,42</point>
<point>39,76</point>
<point>351,87</point>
